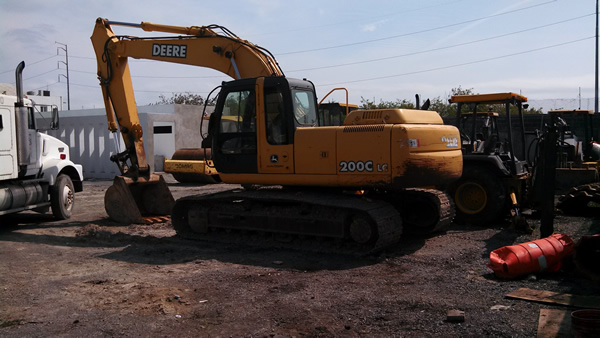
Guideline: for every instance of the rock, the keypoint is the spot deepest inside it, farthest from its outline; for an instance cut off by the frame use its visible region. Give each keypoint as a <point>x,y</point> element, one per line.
<point>499,307</point>
<point>455,316</point>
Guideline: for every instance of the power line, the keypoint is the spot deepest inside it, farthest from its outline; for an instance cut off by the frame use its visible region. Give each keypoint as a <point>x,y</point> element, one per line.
<point>414,33</point>
<point>373,60</point>
<point>45,86</point>
<point>346,22</point>
<point>93,58</point>
<point>457,65</point>
<point>439,48</point>
<point>141,91</point>
<point>29,64</point>
<point>389,37</point>
<point>161,77</point>
<point>44,73</point>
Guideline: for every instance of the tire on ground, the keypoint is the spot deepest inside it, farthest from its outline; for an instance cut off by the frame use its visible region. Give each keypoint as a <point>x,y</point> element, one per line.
<point>479,196</point>
<point>62,197</point>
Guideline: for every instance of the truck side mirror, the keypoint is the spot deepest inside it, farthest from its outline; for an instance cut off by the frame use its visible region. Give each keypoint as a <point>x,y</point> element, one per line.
<point>54,124</point>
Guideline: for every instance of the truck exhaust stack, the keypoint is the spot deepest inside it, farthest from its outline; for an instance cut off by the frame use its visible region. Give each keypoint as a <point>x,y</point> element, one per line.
<point>24,152</point>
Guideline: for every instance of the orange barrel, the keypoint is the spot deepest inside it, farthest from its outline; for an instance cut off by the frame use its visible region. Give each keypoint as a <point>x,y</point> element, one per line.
<point>543,254</point>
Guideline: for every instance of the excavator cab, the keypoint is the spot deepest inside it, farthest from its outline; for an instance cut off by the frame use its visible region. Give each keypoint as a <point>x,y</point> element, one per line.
<point>266,112</point>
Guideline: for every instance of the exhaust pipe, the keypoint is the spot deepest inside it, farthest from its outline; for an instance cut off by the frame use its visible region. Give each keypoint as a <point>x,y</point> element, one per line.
<point>22,124</point>
<point>19,82</point>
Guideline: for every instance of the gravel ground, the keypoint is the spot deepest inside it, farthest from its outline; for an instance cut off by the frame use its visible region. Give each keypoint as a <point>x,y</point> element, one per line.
<point>88,276</point>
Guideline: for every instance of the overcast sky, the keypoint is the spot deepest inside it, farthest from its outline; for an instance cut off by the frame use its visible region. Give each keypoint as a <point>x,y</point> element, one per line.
<point>379,50</point>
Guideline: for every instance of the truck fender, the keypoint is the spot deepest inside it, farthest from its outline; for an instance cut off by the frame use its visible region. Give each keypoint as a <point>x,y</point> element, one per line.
<point>55,167</point>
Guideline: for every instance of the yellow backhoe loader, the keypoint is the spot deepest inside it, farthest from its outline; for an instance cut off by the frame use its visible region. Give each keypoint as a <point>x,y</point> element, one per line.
<point>357,183</point>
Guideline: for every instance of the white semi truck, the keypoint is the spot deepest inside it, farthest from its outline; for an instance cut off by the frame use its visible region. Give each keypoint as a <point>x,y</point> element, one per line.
<point>36,172</point>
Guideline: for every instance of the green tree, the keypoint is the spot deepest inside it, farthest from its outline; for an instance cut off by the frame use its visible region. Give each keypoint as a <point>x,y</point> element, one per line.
<point>442,105</point>
<point>403,104</point>
<point>184,98</point>
<point>445,109</point>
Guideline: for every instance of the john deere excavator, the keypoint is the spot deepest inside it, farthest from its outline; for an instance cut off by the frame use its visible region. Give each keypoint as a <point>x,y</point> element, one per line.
<point>358,183</point>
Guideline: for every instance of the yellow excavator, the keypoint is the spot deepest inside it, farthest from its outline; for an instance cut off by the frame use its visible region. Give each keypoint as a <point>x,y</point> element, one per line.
<point>193,165</point>
<point>358,183</point>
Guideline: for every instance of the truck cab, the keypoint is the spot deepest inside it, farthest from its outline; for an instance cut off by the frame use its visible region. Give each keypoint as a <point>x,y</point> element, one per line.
<point>36,172</point>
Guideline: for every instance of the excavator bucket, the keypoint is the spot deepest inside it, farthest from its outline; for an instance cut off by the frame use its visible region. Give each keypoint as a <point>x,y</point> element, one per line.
<point>147,200</point>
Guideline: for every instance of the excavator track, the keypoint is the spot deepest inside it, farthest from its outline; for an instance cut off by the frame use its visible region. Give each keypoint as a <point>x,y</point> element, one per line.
<point>583,200</point>
<point>306,220</point>
<point>425,211</point>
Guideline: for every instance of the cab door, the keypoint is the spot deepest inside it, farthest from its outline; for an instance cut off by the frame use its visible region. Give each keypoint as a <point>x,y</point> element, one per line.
<point>234,141</point>
<point>275,127</point>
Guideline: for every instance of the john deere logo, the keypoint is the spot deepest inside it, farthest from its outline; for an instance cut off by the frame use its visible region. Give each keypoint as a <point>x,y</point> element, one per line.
<point>274,159</point>
<point>168,50</point>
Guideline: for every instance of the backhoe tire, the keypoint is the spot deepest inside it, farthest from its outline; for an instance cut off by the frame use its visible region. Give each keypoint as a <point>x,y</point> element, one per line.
<point>479,196</point>
<point>62,197</point>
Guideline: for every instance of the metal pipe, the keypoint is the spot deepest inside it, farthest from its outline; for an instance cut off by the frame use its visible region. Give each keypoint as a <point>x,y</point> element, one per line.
<point>522,118</point>
<point>19,82</point>
<point>513,164</point>
<point>235,68</point>
<point>121,23</point>
<point>596,65</point>
<point>21,123</point>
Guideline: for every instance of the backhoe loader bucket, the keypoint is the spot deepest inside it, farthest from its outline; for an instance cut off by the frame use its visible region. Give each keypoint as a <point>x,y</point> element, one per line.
<point>147,200</point>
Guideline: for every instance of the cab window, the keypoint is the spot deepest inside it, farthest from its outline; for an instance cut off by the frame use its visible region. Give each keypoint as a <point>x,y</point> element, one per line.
<point>305,111</point>
<point>238,123</point>
<point>276,127</point>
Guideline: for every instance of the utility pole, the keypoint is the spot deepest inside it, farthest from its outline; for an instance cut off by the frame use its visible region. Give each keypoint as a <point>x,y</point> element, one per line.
<point>596,65</point>
<point>66,63</point>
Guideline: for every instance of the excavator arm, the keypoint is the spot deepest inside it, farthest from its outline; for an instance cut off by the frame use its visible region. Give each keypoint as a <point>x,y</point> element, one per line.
<point>198,46</point>
<point>138,191</point>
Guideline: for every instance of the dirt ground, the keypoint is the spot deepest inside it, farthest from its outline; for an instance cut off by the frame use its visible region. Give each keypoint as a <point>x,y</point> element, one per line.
<point>88,276</point>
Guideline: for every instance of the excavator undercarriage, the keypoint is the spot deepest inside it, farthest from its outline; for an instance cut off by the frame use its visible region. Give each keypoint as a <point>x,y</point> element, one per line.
<point>312,220</point>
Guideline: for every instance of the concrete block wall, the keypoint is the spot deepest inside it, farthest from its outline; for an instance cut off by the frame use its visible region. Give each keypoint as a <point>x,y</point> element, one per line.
<point>91,143</point>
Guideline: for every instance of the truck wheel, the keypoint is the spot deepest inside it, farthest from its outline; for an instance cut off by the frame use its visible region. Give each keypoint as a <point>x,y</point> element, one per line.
<point>62,197</point>
<point>479,196</point>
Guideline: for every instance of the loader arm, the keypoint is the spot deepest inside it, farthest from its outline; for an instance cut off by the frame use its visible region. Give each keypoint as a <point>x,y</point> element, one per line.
<point>198,46</point>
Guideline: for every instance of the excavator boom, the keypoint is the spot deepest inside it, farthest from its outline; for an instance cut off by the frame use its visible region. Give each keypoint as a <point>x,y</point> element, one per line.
<point>126,201</point>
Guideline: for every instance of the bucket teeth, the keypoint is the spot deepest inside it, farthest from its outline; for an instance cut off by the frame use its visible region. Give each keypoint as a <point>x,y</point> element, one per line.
<point>156,219</point>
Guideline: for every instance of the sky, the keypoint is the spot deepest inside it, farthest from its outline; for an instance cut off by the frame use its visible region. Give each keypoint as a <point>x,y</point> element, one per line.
<point>380,50</point>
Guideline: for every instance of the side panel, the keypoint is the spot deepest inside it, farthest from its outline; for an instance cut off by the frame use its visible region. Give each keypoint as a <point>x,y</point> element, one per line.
<point>315,150</point>
<point>364,150</point>
<point>8,151</point>
<point>425,155</point>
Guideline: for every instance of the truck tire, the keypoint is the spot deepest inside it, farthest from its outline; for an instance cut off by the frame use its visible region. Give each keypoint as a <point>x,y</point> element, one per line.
<point>62,197</point>
<point>479,196</point>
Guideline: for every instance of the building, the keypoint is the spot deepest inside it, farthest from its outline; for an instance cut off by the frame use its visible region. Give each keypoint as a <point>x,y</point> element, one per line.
<point>166,128</point>
<point>44,101</point>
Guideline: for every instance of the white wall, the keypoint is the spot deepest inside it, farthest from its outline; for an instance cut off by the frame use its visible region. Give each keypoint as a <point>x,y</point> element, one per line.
<point>91,143</point>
